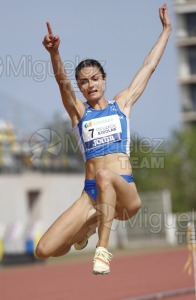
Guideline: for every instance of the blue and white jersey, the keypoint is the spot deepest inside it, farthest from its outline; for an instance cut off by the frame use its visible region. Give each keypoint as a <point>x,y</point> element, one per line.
<point>102,132</point>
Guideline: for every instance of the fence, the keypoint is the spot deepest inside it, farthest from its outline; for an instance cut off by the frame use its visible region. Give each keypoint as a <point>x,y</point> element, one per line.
<point>155,223</point>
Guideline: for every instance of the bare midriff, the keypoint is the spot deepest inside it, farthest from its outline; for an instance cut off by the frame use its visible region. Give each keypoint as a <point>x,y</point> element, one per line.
<point>116,162</point>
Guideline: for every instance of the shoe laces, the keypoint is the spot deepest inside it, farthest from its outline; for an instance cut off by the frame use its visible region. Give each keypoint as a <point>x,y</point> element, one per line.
<point>103,253</point>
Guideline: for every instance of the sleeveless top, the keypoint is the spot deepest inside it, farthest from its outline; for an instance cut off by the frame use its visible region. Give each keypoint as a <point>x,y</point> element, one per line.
<point>102,132</point>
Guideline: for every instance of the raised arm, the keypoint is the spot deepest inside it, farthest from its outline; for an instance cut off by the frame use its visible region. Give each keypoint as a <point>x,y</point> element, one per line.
<point>74,106</point>
<point>129,96</point>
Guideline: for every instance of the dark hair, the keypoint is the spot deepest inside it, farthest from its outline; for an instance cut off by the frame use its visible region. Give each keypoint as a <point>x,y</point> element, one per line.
<point>89,63</point>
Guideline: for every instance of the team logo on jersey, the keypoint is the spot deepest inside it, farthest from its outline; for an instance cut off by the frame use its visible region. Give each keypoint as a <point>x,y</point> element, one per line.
<point>88,124</point>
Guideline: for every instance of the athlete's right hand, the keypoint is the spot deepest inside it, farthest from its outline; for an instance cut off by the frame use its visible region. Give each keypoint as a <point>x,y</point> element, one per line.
<point>51,42</point>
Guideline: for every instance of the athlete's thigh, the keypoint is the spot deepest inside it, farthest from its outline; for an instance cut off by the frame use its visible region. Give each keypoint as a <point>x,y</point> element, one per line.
<point>127,198</point>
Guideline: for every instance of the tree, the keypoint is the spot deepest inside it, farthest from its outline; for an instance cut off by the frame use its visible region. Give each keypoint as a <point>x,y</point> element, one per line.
<point>171,166</point>
<point>181,169</point>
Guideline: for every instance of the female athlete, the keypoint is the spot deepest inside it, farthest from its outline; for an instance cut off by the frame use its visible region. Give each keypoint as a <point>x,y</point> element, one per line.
<point>102,130</point>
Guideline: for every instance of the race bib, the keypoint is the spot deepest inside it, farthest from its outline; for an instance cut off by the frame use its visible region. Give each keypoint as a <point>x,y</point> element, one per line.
<point>100,131</point>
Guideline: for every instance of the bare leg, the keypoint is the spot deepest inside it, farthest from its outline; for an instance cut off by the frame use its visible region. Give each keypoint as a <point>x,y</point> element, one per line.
<point>71,227</point>
<point>116,199</point>
<point>106,203</point>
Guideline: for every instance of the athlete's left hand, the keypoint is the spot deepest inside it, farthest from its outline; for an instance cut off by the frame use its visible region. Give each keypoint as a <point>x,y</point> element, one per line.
<point>165,19</point>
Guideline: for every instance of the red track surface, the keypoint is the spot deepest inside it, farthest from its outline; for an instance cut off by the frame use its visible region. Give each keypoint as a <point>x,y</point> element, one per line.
<point>130,276</point>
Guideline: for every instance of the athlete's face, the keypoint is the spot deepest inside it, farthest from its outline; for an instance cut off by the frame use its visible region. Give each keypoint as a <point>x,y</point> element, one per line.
<point>91,83</point>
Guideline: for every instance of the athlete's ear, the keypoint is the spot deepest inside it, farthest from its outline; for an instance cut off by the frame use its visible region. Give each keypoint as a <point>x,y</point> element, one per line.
<point>104,84</point>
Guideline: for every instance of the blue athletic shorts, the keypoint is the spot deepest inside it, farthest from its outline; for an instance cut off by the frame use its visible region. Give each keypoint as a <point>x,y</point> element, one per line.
<point>91,188</point>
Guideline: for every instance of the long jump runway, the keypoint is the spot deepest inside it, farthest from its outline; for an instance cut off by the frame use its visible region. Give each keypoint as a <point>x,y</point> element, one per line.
<point>147,276</point>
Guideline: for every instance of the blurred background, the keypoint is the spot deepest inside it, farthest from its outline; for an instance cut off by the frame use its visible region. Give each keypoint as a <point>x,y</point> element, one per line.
<point>41,168</point>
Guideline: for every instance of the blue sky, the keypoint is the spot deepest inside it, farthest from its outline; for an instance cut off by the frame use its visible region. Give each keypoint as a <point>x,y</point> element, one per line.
<point>118,33</point>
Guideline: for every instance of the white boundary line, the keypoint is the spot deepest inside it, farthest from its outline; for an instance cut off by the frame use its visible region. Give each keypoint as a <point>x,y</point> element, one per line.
<point>164,294</point>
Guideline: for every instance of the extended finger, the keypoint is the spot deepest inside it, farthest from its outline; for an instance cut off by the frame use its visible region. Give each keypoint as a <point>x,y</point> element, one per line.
<point>49,28</point>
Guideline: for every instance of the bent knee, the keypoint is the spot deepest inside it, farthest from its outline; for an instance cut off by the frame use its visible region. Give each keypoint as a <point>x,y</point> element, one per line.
<point>102,174</point>
<point>132,209</point>
<point>44,250</point>
<point>136,205</point>
<point>41,251</point>
<point>103,178</point>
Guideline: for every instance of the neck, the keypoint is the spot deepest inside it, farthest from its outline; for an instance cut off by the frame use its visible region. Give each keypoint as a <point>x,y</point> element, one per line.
<point>98,103</point>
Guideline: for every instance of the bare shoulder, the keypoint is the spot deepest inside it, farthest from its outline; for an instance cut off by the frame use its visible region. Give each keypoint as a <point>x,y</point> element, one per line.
<point>121,99</point>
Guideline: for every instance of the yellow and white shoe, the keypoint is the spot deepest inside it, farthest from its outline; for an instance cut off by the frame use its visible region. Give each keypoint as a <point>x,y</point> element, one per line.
<point>84,243</point>
<point>101,262</point>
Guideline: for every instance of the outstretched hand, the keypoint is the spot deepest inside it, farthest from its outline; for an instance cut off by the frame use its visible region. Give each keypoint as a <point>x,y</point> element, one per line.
<point>165,19</point>
<point>51,42</point>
